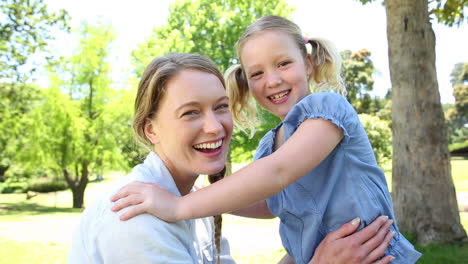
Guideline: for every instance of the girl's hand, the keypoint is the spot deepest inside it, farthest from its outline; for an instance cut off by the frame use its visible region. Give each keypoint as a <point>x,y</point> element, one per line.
<point>146,197</point>
<point>366,246</point>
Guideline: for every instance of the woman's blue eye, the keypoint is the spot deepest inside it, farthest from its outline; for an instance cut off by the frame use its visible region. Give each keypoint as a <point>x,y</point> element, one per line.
<point>189,113</point>
<point>222,106</point>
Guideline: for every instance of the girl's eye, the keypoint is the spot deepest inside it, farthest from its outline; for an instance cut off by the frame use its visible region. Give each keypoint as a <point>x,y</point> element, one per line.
<point>284,63</point>
<point>255,74</point>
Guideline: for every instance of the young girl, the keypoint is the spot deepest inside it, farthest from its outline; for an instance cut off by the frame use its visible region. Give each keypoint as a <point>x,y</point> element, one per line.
<point>315,169</point>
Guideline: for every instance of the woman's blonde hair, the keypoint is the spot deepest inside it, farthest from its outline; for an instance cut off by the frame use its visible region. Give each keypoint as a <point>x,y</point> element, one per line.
<point>151,91</point>
<point>326,63</point>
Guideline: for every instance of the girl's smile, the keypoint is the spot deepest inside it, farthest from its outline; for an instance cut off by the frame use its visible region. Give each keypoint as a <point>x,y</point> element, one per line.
<point>279,98</point>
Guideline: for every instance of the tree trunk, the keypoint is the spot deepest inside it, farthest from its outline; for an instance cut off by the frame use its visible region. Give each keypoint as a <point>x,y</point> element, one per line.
<point>423,190</point>
<point>78,186</point>
<point>3,169</point>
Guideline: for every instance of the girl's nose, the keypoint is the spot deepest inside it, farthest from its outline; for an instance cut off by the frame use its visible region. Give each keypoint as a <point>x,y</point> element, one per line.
<point>273,80</point>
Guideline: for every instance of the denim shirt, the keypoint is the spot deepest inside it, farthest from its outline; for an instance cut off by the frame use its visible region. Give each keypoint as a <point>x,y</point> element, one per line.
<point>347,184</point>
<point>102,238</point>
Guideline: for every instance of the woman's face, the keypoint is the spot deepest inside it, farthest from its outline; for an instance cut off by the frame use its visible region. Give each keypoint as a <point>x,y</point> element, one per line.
<point>276,71</point>
<point>193,126</point>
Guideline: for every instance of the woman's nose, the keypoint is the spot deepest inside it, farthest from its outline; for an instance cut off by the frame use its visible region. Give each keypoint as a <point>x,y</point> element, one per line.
<point>212,124</point>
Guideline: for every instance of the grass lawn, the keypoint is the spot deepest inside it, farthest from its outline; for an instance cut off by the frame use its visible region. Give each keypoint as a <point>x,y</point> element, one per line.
<point>39,230</point>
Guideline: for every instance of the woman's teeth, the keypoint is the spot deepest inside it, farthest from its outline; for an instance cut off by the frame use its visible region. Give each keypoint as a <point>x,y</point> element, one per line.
<point>279,96</point>
<point>214,145</point>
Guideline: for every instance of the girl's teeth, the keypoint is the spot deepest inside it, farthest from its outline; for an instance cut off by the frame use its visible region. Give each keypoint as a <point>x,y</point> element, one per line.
<point>278,96</point>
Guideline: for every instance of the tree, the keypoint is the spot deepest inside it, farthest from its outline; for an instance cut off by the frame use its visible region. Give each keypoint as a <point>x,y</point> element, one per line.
<point>458,116</point>
<point>16,101</point>
<point>210,28</point>
<point>357,72</point>
<point>85,139</point>
<point>25,29</point>
<point>380,136</point>
<point>422,183</point>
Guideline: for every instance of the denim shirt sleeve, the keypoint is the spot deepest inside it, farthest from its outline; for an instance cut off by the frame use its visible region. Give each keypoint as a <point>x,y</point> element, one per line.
<point>328,106</point>
<point>264,146</point>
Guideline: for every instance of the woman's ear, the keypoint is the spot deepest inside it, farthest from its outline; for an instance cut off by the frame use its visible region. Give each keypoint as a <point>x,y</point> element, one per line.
<point>150,131</point>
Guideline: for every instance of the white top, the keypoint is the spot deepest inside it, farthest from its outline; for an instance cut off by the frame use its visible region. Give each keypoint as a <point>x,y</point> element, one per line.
<point>102,238</point>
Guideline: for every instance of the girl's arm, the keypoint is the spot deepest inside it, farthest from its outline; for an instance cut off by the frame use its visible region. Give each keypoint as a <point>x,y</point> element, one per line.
<point>312,142</point>
<point>256,210</point>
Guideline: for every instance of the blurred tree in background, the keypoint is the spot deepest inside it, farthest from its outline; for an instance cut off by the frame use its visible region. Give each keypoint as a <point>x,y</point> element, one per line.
<point>86,139</point>
<point>26,26</point>
<point>357,72</point>
<point>457,117</point>
<point>25,29</point>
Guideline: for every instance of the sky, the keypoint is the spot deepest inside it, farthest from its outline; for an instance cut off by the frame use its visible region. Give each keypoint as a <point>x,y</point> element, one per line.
<point>347,23</point>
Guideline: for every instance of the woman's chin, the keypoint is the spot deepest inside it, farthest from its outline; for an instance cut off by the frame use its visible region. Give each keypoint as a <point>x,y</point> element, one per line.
<point>214,169</point>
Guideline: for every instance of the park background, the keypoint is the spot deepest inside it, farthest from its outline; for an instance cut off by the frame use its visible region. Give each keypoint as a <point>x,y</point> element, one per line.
<point>68,80</point>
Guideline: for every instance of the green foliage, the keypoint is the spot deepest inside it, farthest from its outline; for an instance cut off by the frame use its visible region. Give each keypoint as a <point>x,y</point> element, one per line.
<point>458,145</point>
<point>448,12</point>
<point>76,126</point>
<point>13,187</point>
<point>25,28</point>
<point>16,102</point>
<point>206,27</point>
<point>243,146</point>
<point>450,253</point>
<point>357,72</point>
<point>380,136</point>
<point>457,116</point>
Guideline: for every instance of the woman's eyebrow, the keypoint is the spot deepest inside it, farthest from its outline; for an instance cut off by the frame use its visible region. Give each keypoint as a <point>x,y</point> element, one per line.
<point>194,103</point>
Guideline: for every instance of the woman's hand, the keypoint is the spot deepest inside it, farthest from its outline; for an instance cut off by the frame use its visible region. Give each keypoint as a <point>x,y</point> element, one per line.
<point>366,246</point>
<point>146,197</point>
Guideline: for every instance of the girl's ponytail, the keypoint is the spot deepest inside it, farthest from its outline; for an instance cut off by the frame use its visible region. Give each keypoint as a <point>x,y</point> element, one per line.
<point>242,106</point>
<point>326,63</point>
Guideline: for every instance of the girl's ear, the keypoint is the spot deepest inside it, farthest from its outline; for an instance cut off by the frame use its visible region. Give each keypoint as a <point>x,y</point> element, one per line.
<point>150,132</point>
<point>309,63</point>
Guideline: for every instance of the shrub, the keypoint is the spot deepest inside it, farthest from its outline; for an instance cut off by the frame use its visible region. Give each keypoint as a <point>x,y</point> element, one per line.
<point>46,184</point>
<point>13,187</point>
<point>380,136</point>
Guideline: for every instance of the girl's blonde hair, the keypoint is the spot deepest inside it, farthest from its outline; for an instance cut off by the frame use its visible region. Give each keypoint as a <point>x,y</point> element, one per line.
<point>326,63</point>
<point>151,91</point>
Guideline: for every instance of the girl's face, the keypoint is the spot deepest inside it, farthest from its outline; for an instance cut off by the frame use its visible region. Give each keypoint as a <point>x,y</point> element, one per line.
<point>193,126</point>
<point>276,71</point>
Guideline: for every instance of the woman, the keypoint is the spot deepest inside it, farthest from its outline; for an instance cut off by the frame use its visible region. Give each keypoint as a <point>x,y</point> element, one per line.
<point>182,114</point>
